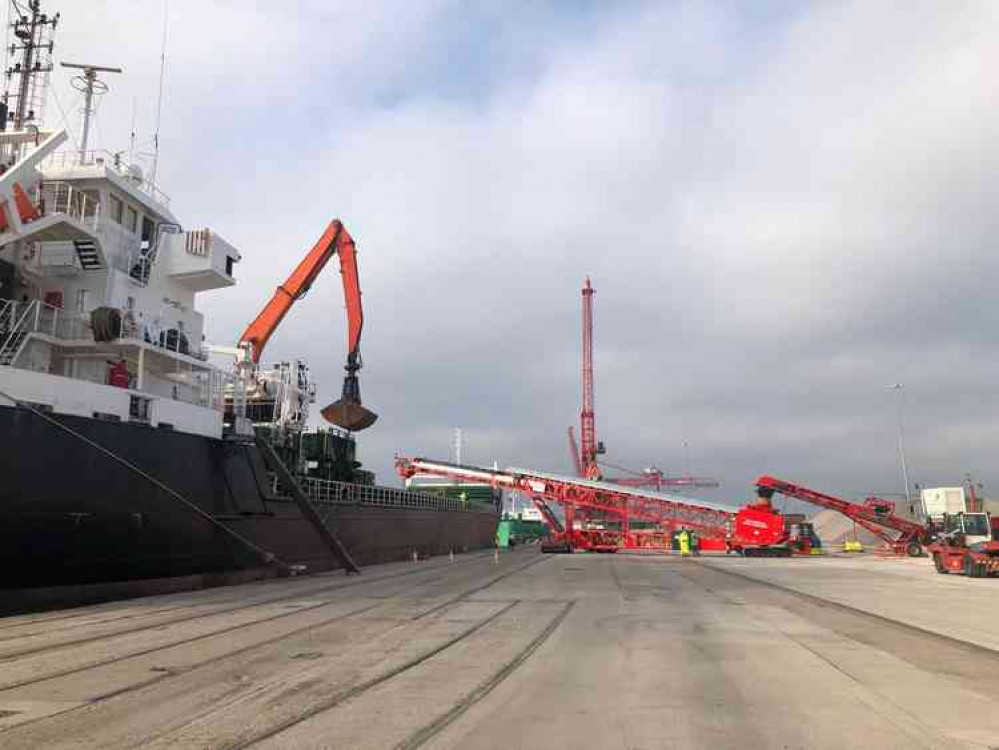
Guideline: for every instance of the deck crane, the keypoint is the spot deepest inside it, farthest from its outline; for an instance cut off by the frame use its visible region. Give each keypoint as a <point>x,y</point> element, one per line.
<point>347,412</point>
<point>901,535</point>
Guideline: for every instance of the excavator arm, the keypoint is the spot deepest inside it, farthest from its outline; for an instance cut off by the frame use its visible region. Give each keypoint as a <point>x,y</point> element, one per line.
<point>348,411</point>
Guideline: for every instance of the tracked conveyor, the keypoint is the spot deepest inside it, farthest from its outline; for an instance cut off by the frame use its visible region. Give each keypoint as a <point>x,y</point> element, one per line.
<point>585,502</point>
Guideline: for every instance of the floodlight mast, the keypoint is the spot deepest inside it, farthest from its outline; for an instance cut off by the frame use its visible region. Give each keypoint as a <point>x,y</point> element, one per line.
<point>90,85</point>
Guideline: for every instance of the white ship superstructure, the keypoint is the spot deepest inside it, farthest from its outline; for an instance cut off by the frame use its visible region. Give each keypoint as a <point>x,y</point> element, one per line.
<point>99,280</point>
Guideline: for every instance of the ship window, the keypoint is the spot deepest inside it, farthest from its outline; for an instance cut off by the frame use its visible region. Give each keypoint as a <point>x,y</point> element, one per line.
<point>229,263</point>
<point>138,409</point>
<point>116,208</point>
<point>130,304</point>
<point>105,417</point>
<point>82,297</point>
<point>131,219</point>
<point>92,202</point>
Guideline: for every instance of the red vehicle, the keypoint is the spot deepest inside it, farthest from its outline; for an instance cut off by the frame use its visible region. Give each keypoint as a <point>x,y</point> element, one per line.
<point>969,544</point>
<point>759,530</point>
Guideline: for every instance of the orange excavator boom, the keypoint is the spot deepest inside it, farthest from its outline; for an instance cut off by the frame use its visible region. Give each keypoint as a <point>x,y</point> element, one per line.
<point>336,240</point>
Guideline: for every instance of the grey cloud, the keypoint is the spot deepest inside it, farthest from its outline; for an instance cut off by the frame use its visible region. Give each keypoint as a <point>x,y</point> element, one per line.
<point>782,214</point>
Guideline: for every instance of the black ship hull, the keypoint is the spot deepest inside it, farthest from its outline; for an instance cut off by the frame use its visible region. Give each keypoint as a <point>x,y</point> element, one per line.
<point>73,518</point>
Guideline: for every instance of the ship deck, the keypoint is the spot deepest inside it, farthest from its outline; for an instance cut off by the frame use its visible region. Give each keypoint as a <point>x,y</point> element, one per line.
<point>530,651</point>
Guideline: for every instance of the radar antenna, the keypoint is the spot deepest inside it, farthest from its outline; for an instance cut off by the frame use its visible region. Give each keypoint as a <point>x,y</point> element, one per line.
<point>90,86</point>
<point>30,52</point>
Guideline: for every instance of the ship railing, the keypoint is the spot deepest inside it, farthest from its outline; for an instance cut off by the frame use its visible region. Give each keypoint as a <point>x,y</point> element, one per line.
<point>100,158</point>
<point>61,197</point>
<point>37,316</point>
<point>121,247</point>
<point>334,493</point>
<point>8,309</point>
<point>165,338</point>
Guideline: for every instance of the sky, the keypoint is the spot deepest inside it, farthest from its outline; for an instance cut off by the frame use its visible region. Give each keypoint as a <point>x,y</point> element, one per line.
<point>784,208</point>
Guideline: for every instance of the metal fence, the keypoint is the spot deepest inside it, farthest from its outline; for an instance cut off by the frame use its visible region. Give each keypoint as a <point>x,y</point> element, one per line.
<point>329,492</point>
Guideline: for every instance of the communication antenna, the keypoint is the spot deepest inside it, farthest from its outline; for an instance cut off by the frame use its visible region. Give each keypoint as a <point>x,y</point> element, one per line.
<point>159,96</point>
<point>131,140</point>
<point>30,47</point>
<point>90,85</point>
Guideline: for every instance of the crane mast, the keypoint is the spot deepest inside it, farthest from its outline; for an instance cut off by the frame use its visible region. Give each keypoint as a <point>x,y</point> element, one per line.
<point>584,454</point>
<point>587,422</point>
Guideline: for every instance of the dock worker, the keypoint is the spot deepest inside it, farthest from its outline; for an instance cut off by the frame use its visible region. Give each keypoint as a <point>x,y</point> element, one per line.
<point>684,542</point>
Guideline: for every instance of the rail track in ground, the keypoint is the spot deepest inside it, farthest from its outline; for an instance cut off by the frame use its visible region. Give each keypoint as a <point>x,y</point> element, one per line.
<point>403,597</point>
<point>601,651</point>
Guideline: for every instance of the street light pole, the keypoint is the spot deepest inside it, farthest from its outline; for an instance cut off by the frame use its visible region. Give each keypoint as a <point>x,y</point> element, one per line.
<point>897,387</point>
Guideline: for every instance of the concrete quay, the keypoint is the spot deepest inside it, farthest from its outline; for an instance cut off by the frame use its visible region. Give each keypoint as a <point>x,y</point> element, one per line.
<point>528,651</point>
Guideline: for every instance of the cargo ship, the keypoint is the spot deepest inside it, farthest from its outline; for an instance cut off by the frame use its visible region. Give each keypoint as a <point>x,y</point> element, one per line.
<point>134,461</point>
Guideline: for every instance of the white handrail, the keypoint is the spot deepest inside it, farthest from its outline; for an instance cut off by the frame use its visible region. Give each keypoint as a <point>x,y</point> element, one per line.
<point>106,158</point>
<point>61,197</point>
<point>6,310</point>
<point>18,327</point>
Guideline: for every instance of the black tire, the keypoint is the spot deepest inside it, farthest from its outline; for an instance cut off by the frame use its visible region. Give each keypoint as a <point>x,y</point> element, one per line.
<point>938,563</point>
<point>971,569</point>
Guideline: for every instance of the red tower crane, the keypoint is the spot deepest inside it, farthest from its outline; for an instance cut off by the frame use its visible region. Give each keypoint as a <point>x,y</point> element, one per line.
<point>658,480</point>
<point>589,447</point>
<point>584,454</point>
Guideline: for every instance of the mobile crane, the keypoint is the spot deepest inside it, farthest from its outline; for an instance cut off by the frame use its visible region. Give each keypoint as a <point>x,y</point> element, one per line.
<point>347,412</point>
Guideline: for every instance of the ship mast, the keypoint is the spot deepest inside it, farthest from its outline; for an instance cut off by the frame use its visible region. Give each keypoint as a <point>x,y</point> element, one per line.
<point>90,85</point>
<point>30,50</point>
